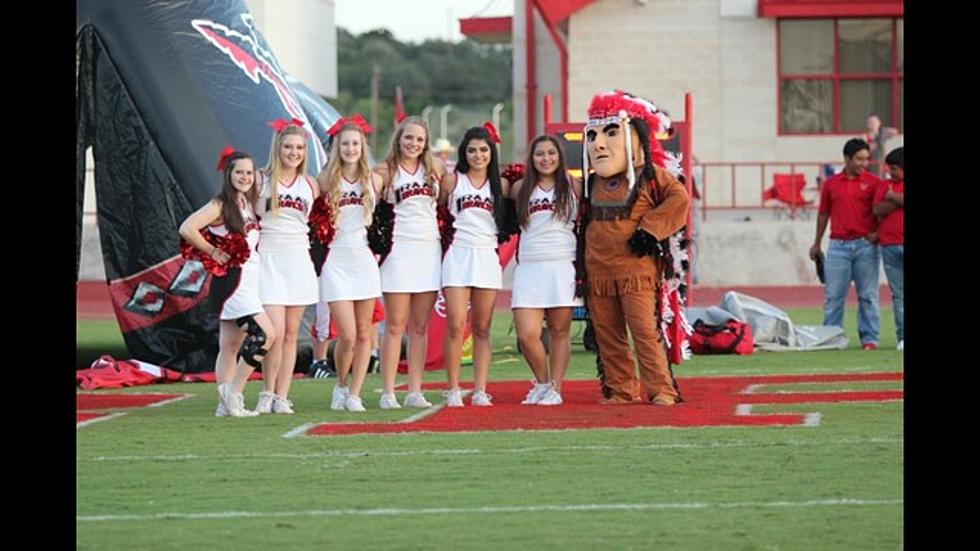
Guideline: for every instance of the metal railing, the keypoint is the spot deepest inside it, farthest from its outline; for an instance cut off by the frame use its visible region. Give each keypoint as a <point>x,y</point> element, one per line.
<point>741,185</point>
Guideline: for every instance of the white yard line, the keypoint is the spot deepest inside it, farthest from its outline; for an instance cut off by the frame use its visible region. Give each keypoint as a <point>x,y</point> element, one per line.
<point>503,451</point>
<point>581,507</point>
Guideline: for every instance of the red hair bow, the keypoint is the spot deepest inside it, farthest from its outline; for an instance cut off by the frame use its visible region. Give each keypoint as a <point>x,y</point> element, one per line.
<point>223,158</point>
<point>279,124</point>
<point>492,130</point>
<point>356,119</point>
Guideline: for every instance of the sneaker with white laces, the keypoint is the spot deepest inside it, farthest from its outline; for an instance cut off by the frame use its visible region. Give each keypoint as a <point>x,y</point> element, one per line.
<point>454,398</point>
<point>416,400</point>
<point>264,404</point>
<point>282,405</point>
<point>354,403</point>
<point>388,401</point>
<point>551,397</point>
<point>481,398</point>
<point>338,398</point>
<point>534,395</point>
<point>901,345</point>
<point>233,402</point>
<point>226,396</point>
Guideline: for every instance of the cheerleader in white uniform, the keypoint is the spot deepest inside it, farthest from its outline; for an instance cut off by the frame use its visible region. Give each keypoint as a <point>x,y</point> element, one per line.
<point>235,295</point>
<point>410,272</point>
<point>471,272</point>
<point>289,283</point>
<point>544,279</point>
<point>349,280</point>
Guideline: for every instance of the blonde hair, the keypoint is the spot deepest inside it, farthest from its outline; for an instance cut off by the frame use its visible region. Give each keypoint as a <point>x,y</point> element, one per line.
<point>334,174</point>
<point>394,156</point>
<point>273,168</point>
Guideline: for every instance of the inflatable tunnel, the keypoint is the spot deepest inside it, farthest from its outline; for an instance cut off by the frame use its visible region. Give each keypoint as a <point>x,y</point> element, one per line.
<point>162,87</point>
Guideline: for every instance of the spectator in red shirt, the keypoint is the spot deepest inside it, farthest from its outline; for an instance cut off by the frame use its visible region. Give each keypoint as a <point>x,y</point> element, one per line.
<point>845,202</point>
<point>889,207</point>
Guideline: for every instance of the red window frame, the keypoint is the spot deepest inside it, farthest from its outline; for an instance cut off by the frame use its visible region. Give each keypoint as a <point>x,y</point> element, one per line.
<point>894,76</point>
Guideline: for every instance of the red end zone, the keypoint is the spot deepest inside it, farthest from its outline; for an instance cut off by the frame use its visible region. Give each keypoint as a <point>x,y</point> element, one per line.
<point>84,403</point>
<point>710,402</point>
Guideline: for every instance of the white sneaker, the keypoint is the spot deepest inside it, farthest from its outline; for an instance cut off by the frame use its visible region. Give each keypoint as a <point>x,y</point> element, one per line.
<point>226,396</point>
<point>550,398</point>
<point>233,402</point>
<point>354,403</point>
<point>388,401</point>
<point>901,345</point>
<point>534,395</point>
<point>221,411</point>
<point>264,404</point>
<point>416,400</point>
<point>338,398</point>
<point>454,398</point>
<point>481,398</point>
<point>282,405</point>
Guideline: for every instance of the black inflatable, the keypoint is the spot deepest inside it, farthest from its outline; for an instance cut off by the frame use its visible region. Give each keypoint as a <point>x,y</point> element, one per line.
<point>162,87</point>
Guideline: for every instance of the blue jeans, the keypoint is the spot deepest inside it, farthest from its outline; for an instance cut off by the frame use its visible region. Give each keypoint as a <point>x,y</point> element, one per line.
<point>856,260</point>
<point>893,258</point>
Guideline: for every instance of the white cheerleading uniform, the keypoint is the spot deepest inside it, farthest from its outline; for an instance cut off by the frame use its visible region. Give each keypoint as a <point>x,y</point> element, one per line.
<point>545,272</point>
<point>350,271</point>
<point>414,263</point>
<point>237,294</point>
<point>472,260</point>
<point>288,277</point>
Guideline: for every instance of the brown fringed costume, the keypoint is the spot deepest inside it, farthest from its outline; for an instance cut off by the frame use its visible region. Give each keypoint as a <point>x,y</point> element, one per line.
<point>630,233</point>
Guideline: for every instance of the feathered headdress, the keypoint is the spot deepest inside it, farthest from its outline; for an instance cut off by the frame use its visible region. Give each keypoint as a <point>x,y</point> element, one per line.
<point>620,107</point>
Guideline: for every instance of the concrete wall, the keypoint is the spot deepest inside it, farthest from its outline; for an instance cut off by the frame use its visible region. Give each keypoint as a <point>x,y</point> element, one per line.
<point>548,64</point>
<point>760,252</point>
<point>303,35</point>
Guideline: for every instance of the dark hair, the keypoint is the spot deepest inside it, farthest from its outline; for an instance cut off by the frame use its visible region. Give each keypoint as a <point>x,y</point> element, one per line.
<point>854,145</point>
<point>231,213</point>
<point>896,157</point>
<point>563,200</point>
<point>643,131</point>
<point>493,169</point>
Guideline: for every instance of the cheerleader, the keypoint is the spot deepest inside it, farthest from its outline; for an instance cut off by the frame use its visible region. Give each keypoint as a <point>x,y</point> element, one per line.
<point>410,271</point>
<point>289,283</point>
<point>544,279</point>
<point>349,279</point>
<point>229,220</point>
<point>474,194</point>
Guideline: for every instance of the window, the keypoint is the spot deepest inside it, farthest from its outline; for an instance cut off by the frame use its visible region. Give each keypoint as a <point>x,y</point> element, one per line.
<point>833,73</point>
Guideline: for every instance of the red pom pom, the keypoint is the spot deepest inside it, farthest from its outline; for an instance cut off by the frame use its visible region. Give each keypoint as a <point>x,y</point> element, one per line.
<point>321,221</point>
<point>234,245</point>
<point>513,172</point>
<point>445,219</point>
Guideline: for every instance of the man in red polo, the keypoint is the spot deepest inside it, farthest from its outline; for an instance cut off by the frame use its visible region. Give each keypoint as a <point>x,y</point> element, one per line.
<point>846,202</point>
<point>889,206</point>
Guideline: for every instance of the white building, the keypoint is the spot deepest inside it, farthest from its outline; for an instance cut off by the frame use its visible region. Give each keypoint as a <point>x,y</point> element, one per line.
<point>777,84</point>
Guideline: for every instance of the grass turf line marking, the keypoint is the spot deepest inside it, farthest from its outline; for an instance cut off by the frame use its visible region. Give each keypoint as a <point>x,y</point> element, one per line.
<point>97,419</point>
<point>474,451</point>
<point>223,515</point>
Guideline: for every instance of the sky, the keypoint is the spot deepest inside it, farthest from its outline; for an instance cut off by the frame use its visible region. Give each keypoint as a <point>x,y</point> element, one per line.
<point>416,20</point>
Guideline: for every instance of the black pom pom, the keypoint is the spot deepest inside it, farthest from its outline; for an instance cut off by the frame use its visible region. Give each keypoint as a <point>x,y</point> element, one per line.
<point>643,244</point>
<point>382,225</point>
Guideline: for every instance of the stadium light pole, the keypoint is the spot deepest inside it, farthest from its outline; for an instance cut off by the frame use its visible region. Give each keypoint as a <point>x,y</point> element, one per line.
<point>444,119</point>
<point>425,115</point>
<point>495,117</point>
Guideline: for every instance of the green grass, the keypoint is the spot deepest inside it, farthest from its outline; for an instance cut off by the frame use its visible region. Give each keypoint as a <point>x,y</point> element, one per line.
<point>95,338</point>
<point>708,488</point>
